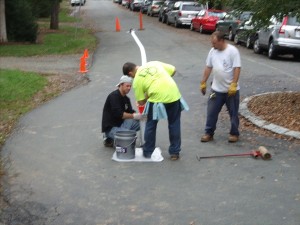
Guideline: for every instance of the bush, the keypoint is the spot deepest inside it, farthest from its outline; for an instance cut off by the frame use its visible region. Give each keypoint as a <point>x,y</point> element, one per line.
<point>20,22</point>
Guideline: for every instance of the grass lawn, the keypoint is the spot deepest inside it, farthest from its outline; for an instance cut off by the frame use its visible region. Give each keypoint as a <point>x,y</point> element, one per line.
<point>17,89</point>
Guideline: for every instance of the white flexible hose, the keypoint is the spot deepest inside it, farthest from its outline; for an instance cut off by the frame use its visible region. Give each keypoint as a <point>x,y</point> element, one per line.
<point>142,49</point>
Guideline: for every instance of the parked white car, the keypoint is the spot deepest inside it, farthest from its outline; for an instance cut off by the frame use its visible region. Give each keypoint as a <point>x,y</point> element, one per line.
<point>182,13</point>
<point>77,2</point>
<point>279,38</point>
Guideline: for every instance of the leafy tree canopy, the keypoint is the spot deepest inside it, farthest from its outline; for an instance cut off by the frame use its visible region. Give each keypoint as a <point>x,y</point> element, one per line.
<point>263,9</point>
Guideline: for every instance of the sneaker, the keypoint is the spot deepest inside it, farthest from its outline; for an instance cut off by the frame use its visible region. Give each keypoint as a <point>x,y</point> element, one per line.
<point>174,157</point>
<point>207,138</point>
<point>233,138</point>
<point>108,142</point>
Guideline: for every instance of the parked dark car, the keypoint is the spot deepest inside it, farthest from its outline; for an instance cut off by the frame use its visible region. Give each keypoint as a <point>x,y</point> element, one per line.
<point>206,20</point>
<point>245,34</point>
<point>144,5</point>
<point>154,7</point>
<point>279,38</point>
<point>164,9</point>
<point>135,5</point>
<point>229,24</point>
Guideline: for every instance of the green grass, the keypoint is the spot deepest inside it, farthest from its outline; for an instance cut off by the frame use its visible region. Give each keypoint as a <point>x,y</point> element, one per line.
<point>17,89</point>
<point>67,40</point>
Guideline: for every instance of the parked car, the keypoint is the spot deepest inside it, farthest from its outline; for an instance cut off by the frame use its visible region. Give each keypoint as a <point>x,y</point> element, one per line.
<point>229,24</point>
<point>153,8</point>
<point>77,2</point>
<point>124,2</point>
<point>166,7</point>
<point>182,13</point>
<point>206,20</point>
<point>280,38</point>
<point>135,5</point>
<point>144,5</point>
<point>245,34</point>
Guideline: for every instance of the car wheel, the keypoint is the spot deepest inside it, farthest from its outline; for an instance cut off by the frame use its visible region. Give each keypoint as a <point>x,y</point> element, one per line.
<point>191,27</point>
<point>296,55</point>
<point>249,42</point>
<point>272,51</point>
<point>201,29</point>
<point>256,47</point>
<point>230,35</point>
<point>236,39</point>
<point>159,18</point>
<point>168,22</point>
<point>176,24</point>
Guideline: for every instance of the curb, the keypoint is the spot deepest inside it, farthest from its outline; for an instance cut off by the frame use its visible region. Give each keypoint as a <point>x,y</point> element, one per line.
<point>244,111</point>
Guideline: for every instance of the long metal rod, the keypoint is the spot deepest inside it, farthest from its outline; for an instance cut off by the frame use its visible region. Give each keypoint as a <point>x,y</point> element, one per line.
<point>254,154</point>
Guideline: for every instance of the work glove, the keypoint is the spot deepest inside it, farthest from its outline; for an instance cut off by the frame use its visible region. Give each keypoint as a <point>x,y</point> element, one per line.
<point>137,116</point>
<point>232,89</point>
<point>203,87</point>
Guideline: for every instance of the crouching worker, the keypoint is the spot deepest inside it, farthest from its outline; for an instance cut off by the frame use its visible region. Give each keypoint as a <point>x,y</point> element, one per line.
<point>118,114</point>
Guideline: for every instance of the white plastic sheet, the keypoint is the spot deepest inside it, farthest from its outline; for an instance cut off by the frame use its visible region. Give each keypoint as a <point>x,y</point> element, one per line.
<point>155,157</point>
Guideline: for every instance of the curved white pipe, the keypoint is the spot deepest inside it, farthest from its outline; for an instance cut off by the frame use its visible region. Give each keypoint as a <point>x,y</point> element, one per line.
<point>142,49</point>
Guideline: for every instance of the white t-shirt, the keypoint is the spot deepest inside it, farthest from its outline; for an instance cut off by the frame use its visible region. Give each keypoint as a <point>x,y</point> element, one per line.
<point>223,63</point>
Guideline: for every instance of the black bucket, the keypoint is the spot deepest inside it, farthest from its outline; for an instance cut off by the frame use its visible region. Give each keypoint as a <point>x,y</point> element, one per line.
<point>125,144</point>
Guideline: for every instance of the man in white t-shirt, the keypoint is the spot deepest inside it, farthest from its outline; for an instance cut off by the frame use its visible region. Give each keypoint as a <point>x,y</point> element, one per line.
<point>224,62</point>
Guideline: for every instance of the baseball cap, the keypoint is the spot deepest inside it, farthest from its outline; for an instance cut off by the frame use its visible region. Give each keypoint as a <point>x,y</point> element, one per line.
<point>124,79</point>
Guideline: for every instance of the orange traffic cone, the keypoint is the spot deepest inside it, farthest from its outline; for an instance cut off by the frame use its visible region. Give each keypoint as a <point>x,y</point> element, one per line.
<point>141,21</point>
<point>86,54</point>
<point>82,65</point>
<point>118,27</point>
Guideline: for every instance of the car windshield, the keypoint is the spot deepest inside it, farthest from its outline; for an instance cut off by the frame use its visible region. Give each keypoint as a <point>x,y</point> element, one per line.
<point>191,7</point>
<point>217,14</point>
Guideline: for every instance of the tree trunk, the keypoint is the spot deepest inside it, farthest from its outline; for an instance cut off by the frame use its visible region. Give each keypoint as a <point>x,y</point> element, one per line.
<point>3,33</point>
<point>54,15</point>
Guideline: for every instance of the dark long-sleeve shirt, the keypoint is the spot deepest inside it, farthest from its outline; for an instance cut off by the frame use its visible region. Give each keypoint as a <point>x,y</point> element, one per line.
<point>114,107</point>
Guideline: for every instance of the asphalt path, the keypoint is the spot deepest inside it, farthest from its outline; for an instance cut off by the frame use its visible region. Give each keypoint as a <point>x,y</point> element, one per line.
<point>58,171</point>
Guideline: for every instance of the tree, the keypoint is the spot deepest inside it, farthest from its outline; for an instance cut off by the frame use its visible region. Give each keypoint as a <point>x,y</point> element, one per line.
<point>21,24</point>
<point>265,9</point>
<point>3,34</point>
<point>54,21</point>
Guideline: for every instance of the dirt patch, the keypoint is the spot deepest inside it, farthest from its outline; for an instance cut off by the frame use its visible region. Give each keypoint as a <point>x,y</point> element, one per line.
<point>282,109</point>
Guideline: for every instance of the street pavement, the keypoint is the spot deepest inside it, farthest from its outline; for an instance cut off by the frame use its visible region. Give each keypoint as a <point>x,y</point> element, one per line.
<point>58,171</point>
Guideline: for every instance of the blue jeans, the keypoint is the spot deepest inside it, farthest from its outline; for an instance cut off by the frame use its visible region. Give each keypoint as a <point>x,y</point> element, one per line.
<point>128,124</point>
<point>215,104</point>
<point>174,113</point>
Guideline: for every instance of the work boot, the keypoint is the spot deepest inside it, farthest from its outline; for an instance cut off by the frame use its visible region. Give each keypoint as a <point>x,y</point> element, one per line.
<point>207,138</point>
<point>108,142</point>
<point>174,157</point>
<point>233,138</point>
